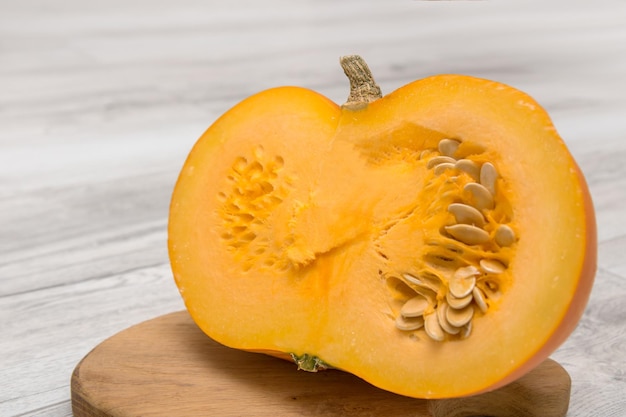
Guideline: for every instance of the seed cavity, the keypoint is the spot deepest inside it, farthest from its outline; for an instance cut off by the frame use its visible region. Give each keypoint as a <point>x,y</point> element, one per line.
<point>252,189</point>
<point>460,274</point>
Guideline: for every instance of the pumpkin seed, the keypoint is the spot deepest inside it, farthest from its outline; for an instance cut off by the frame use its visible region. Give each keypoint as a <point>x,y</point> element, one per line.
<point>468,234</point>
<point>458,302</point>
<point>439,169</point>
<point>440,160</point>
<point>488,177</point>
<point>428,291</point>
<point>479,297</point>
<point>409,323</point>
<point>460,288</point>
<point>483,199</point>
<point>492,266</point>
<point>505,236</point>
<point>463,281</point>
<point>443,321</point>
<point>448,147</point>
<point>469,167</point>
<point>432,327</point>
<point>466,272</point>
<point>414,307</point>
<point>428,294</point>
<point>424,282</point>
<point>459,318</point>
<point>467,330</point>
<point>466,214</point>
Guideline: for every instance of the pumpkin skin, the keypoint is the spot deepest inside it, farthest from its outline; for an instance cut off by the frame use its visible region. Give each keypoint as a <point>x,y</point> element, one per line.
<point>291,214</point>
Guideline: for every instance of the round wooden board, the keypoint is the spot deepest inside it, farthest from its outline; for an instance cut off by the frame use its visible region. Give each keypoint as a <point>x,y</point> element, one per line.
<point>167,367</point>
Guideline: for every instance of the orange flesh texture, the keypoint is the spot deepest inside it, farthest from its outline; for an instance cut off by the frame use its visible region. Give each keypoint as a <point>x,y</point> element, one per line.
<point>303,269</point>
<point>263,307</point>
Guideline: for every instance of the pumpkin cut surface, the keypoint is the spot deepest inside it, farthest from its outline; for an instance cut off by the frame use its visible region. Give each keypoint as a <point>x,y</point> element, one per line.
<point>437,242</point>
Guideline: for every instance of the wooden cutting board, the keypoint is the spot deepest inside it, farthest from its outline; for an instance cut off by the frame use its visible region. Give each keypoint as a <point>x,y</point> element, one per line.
<point>168,367</point>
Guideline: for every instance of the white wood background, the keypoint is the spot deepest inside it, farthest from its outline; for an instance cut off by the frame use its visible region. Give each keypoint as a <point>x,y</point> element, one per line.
<point>100,101</point>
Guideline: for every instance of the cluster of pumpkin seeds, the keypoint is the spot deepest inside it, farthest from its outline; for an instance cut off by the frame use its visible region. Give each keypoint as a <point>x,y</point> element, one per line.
<point>445,300</point>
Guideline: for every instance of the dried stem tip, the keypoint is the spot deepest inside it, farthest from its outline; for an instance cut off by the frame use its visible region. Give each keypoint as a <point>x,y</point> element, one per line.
<point>363,88</point>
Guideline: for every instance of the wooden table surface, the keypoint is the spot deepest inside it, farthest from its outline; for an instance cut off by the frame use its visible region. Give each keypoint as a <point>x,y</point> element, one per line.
<point>101,101</point>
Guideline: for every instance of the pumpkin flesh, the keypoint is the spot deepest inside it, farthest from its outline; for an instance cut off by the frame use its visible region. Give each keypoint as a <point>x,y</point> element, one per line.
<point>292,213</point>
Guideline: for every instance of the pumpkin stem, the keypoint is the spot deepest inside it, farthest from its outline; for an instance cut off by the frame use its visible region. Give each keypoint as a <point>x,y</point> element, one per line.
<point>363,88</point>
<point>309,363</point>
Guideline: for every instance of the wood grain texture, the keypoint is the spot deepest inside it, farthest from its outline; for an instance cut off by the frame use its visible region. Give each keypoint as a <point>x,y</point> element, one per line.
<point>167,367</point>
<point>543,392</point>
<point>101,101</point>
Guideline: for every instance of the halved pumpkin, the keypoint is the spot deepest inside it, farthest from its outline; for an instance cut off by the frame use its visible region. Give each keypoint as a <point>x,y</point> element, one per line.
<point>437,242</point>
